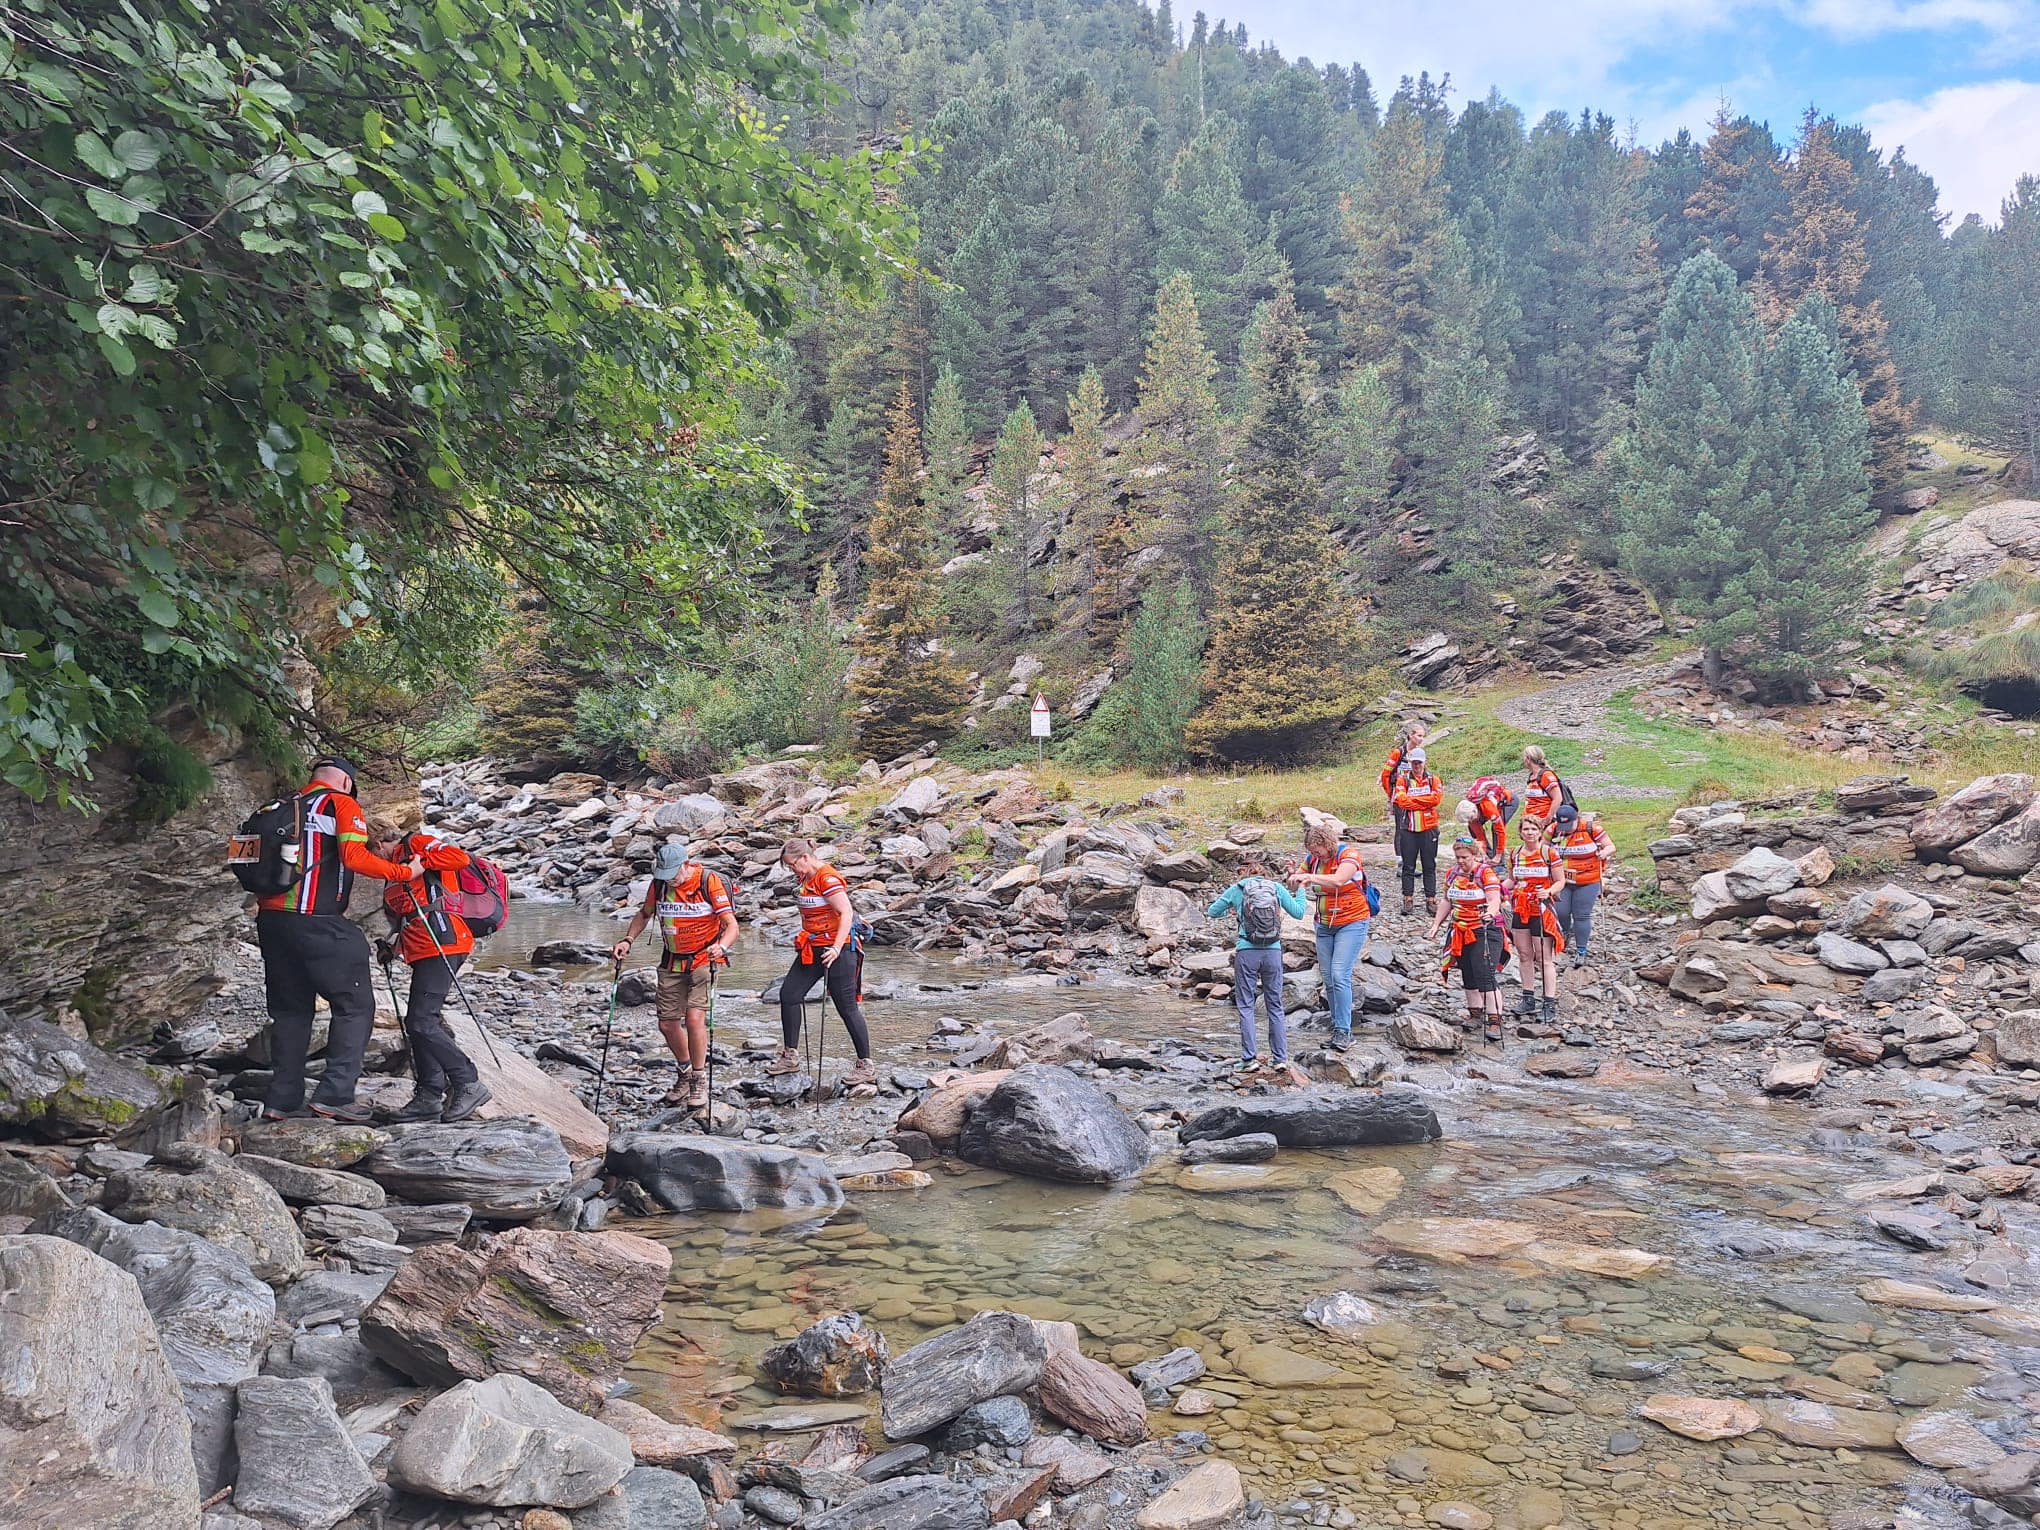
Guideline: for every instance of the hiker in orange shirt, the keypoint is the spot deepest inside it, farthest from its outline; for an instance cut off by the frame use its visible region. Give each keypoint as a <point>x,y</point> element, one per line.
<point>434,943</point>
<point>697,927</point>
<point>1419,791</point>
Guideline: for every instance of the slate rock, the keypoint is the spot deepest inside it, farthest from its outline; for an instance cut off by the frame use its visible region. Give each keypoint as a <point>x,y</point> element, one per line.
<point>66,1090</point>
<point>25,1191</point>
<point>693,1172</point>
<point>331,1224</point>
<point>419,1225</point>
<point>505,1170</point>
<point>840,1356</point>
<point>1894,985</point>
<point>201,1191</point>
<point>93,1430</point>
<point>659,1499</point>
<point>1171,1370</point>
<point>1885,913</point>
<point>1983,804</point>
<point>994,1354</point>
<point>341,1360</point>
<point>329,1296</point>
<point>909,1503</point>
<point>313,1187</point>
<point>1254,1147</point>
<point>2009,850</point>
<point>1092,1398</point>
<point>1761,873</point>
<point>1001,1421</point>
<point>298,1464</point>
<point>1841,954</point>
<point>569,953</point>
<point>312,1141</point>
<point>1045,1121</point>
<point>1317,1118</point>
<point>507,1443</point>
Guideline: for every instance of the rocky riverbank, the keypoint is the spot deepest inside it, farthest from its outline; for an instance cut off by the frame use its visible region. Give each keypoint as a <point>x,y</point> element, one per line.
<point>308,1325</point>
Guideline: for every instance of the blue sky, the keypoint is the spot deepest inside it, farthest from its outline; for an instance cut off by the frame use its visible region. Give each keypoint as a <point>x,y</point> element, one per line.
<point>1957,82</point>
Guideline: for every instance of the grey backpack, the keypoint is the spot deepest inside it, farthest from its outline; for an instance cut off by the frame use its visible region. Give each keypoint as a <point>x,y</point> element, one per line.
<point>1260,911</point>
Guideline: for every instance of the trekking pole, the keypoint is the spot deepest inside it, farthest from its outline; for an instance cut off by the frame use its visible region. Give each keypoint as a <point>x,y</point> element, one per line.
<point>608,1030</point>
<point>711,1049</point>
<point>453,972</point>
<point>820,1039</point>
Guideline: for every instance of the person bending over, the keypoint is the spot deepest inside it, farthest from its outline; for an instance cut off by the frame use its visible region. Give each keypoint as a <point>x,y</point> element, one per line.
<point>434,942</point>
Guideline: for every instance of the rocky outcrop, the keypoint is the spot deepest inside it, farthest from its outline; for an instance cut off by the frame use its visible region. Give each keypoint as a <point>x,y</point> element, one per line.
<point>92,1424</point>
<point>690,1172</point>
<point>1322,1118</point>
<point>507,1171</point>
<point>202,1192</point>
<point>1092,1398</point>
<point>1980,806</point>
<point>1046,1121</point>
<point>506,1442</point>
<point>68,1090</point>
<point>563,1310</point>
<point>1975,546</point>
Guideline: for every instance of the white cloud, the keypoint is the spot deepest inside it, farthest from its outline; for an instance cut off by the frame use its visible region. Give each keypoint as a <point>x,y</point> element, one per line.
<point>1873,18</point>
<point>1974,140</point>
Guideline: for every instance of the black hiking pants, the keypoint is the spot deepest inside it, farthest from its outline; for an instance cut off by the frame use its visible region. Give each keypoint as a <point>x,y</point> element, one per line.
<point>437,1061</point>
<point>305,958</point>
<point>843,979</point>
<point>1411,847</point>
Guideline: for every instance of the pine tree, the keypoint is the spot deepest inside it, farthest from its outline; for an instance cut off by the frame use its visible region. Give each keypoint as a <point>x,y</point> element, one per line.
<point>948,438</point>
<point>834,521</point>
<point>1688,486</point>
<point>1820,248</point>
<point>1279,671</point>
<point>1097,533</point>
<point>1997,359</point>
<point>1205,227</point>
<point>1142,718</point>
<point>1364,432</point>
<point>907,691</point>
<point>1800,594</point>
<point>1015,499</point>
<point>1175,464</point>
<point>1741,195</point>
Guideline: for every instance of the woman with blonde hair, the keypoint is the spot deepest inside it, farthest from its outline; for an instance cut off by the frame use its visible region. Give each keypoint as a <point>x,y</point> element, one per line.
<point>1536,879</point>
<point>1544,790</point>
<point>1335,878</point>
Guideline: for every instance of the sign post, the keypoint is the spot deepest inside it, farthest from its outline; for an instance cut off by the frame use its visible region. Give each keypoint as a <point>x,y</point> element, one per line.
<point>1038,726</point>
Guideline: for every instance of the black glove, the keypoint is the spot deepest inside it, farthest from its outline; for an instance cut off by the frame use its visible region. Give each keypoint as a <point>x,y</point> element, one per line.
<point>385,952</point>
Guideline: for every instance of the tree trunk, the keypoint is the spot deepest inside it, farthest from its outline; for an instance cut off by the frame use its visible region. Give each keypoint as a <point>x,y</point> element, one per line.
<point>1711,667</point>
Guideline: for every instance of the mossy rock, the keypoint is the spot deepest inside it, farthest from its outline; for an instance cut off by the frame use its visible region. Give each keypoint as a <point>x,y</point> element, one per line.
<point>68,1090</point>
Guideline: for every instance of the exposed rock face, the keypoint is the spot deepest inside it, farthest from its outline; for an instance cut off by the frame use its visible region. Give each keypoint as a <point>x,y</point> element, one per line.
<point>76,887</point>
<point>64,1089</point>
<point>1093,1398</point>
<point>92,1424</point>
<point>26,1191</point>
<point>298,1464</point>
<point>212,1316</point>
<point>1977,545</point>
<point>563,1310</point>
<point>1048,1122</point>
<point>840,1356</point>
<point>2009,850</point>
<point>994,1354</point>
<point>1983,804</point>
<point>1722,975</point>
<point>200,1191</point>
<point>506,1442</point>
<point>1317,1118</point>
<point>520,1090</point>
<point>506,1170</point>
<point>691,1172</point>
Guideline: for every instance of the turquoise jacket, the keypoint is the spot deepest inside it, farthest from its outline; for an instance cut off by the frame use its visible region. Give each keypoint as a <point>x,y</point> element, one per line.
<point>1233,901</point>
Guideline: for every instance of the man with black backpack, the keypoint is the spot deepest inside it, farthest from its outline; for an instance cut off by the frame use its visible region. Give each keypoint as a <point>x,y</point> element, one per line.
<point>300,856</point>
<point>1259,902</point>
<point>434,941</point>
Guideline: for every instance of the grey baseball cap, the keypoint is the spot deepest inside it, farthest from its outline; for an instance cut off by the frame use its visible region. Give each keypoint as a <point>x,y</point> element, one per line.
<point>667,863</point>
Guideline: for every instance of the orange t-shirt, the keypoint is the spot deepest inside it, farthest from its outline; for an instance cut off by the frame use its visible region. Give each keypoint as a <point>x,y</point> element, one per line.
<point>688,910</point>
<point>818,921</point>
<point>1346,903</point>
<point>1540,793</point>
<point>1535,871</point>
<point>1467,892</point>
<point>1585,851</point>
<point>407,907</point>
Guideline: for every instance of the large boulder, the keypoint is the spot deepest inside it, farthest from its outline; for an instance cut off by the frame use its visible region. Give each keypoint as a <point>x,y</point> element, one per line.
<point>1722,975</point>
<point>563,1310</point>
<point>297,1463</point>
<point>521,1091</point>
<point>1838,953</point>
<point>1066,1038</point>
<point>1098,881</point>
<point>693,1172</point>
<point>941,1112</point>
<point>1164,913</point>
<point>312,1141</point>
<point>507,1443</point>
<point>1983,804</point>
<point>1712,900</point>
<point>212,1317</point>
<point>92,1425</point>
<point>1760,873</point>
<point>994,1354</point>
<point>917,799</point>
<point>1885,913</point>
<point>1092,1398</point>
<point>2010,850</point>
<point>840,1356</point>
<point>508,1171</point>
<point>25,1191</point>
<point>306,1186</point>
<point>1322,1118</point>
<point>1047,1122</point>
<point>200,1191</point>
<point>67,1090</point>
<point>2018,1038</point>
<point>689,814</point>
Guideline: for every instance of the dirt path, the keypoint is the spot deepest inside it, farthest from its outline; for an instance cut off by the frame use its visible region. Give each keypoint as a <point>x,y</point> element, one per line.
<point>1577,708</point>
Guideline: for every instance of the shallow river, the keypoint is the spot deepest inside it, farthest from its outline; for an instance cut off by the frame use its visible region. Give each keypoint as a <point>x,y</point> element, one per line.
<point>1510,1355</point>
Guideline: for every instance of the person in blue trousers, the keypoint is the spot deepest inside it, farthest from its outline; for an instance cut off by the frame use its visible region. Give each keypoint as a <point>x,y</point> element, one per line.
<point>1258,902</point>
<point>1334,877</point>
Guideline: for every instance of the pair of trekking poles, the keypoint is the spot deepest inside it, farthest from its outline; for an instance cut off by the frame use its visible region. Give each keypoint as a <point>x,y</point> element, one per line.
<point>432,905</point>
<point>609,1031</point>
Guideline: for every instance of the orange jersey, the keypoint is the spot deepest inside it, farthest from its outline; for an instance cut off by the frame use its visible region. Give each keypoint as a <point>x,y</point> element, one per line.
<point>1541,793</point>
<point>408,907</point>
<point>818,921</point>
<point>1467,892</point>
<point>1490,830</point>
<point>1586,851</point>
<point>1538,874</point>
<point>688,910</point>
<point>333,851</point>
<point>1391,771</point>
<point>1417,797</point>
<point>1346,903</point>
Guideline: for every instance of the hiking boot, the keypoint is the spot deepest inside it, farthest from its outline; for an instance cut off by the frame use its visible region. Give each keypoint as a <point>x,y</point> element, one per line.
<point>697,1090</point>
<point>1526,1003</point>
<point>1579,960</point>
<point>865,1072</point>
<point>466,1100</point>
<point>1247,1065</point>
<point>788,1061</point>
<point>1550,1012</point>
<point>1409,906</point>
<point>353,1113</point>
<point>425,1106</point>
<point>682,1092</point>
<point>1491,1029</point>
<point>1340,1040</point>
<point>271,1113</point>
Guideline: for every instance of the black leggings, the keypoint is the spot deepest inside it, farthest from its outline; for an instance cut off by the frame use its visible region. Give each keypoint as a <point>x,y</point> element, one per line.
<point>843,980</point>
<point>1480,963</point>
<point>1411,846</point>
<point>436,1058</point>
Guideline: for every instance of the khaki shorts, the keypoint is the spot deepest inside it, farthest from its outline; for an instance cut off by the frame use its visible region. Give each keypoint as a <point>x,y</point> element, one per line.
<point>682,990</point>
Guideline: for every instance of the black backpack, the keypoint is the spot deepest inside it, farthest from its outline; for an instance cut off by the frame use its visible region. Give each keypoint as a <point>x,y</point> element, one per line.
<point>267,855</point>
